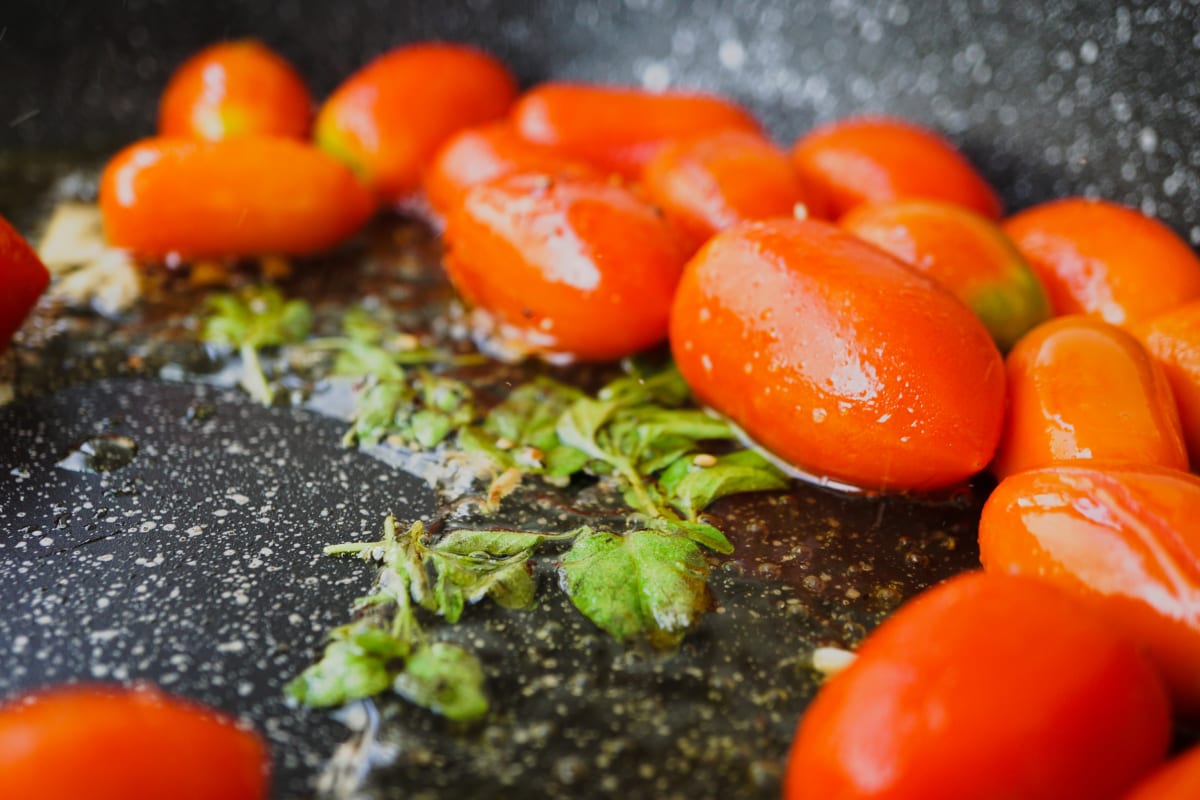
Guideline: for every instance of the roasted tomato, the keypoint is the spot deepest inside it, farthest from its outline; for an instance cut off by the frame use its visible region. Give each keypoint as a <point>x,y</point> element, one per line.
<point>478,155</point>
<point>837,357</point>
<point>387,120</point>
<point>1173,339</point>
<point>620,129</point>
<point>1122,537</point>
<point>1082,389</point>
<point>987,687</point>
<point>24,277</point>
<point>963,251</point>
<point>235,197</point>
<point>874,159</point>
<point>110,743</point>
<point>709,182</point>
<point>573,267</point>
<point>235,89</point>
<point>1103,259</point>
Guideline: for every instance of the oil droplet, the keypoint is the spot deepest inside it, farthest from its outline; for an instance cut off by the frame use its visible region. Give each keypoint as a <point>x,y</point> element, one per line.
<point>103,453</point>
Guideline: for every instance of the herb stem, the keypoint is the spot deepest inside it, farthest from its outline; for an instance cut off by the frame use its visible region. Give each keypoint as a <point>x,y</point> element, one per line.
<point>253,379</point>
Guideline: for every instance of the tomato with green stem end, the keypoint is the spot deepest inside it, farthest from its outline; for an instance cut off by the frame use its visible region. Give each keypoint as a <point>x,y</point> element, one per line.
<point>988,687</point>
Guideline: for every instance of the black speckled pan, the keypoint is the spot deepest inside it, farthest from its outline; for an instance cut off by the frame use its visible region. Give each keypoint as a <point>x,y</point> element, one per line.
<point>197,564</point>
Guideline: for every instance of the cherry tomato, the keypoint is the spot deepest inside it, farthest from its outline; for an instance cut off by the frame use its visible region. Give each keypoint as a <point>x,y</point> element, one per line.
<point>837,357</point>
<point>985,687</point>
<point>388,119</point>
<point>1173,339</point>
<point>235,89</point>
<point>569,266</point>
<point>110,743</point>
<point>1103,259</point>
<point>710,182</point>
<point>616,128</point>
<point>966,253</point>
<point>875,159</point>
<point>1082,389</point>
<point>236,197</point>
<point>1122,537</point>
<point>24,278</point>
<point>1177,780</point>
<point>478,155</point>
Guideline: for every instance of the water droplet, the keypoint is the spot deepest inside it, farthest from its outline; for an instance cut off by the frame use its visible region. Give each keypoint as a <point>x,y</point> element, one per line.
<point>103,453</point>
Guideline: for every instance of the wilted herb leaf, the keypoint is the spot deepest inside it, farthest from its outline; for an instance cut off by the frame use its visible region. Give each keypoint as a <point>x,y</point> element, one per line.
<point>446,679</point>
<point>691,488</point>
<point>357,663</point>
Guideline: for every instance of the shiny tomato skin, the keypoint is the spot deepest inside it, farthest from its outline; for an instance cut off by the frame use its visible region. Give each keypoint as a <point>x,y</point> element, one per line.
<point>1121,537</point>
<point>838,358</point>
<point>387,120</point>
<point>1080,389</point>
<point>478,155</point>
<point>109,743</point>
<point>1099,258</point>
<point>24,278</point>
<point>620,129</point>
<point>986,687</point>
<point>574,267</point>
<point>1179,779</point>
<point>1173,339</point>
<point>238,88</point>
<point>876,159</point>
<point>236,197</point>
<point>712,181</point>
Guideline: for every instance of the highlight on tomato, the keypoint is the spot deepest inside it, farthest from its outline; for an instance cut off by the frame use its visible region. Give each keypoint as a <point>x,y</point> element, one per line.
<point>106,742</point>
<point>963,251</point>
<point>1099,258</point>
<point>1173,339</point>
<point>24,278</point>
<point>985,686</point>
<point>237,88</point>
<point>1121,537</point>
<point>565,267</point>
<point>619,129</point>
<point>838,358</point>
<point>246,196</point>
<point>1081,389</point>
<point>877,159</point>
<point>387,120</point>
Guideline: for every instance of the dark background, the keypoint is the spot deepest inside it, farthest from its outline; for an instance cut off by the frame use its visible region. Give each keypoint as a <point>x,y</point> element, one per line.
<point>1048,98</point>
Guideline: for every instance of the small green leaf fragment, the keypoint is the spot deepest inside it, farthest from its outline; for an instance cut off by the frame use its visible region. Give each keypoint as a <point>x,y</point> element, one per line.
<point>691,488</point>
<point>357,663</point>
<point>580,424</point>
<point>446,679</point>
<point>493,543</point>
<point>449,596</point>
<point>512,586</point>
<point>430,427</point>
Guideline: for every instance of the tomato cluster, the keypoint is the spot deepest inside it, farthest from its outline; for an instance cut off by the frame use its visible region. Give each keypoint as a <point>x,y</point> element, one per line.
<point>849,304</point>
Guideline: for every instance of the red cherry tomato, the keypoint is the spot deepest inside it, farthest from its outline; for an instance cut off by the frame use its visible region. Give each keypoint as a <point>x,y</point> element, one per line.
<point>1099,258</point>
<point>616,128</point>
<point>710,182</point>
<point>837,357</point>
<point>570,266</point>
<point>235,89</point>
<point>24,278</point>
<point>985,687</point>
<point>236,197</point>
<point>1121,537</point>
<point>387,120</point>
<point>478,155</point>
<point>875,159</point>
<point>110,743</point>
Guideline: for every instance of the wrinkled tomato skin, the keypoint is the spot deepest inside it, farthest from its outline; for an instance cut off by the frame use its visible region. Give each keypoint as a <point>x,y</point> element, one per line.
<point>24,277</point>
<point>236,197</point>
<point>987,687</point>
<point>1173,339</point>
<point>1081,389</point>
<point>838,358</point>
<point>710,182</point>
<point>876,159</point>
<point>239,88</point>
<point>1099,258</point>
<point>619,129</point>
<point>479,155</point>
<point>571,267</point>
<point>1124,539</point>
<point>387,120</point>
<point>110,743</point>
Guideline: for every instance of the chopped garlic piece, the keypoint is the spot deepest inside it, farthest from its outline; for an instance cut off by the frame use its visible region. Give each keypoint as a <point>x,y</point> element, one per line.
<point>829,661</point>
<point>110,284</point>
<point>74,236</point>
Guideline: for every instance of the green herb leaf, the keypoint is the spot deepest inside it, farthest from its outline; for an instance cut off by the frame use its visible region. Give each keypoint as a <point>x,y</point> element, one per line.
<point>358,662</point>
<point>642,584</point>
<point>449,596</point>
<point>580,424</point>
<point>691,488</point>
<point>445,679</point>
<point>493,543</point>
